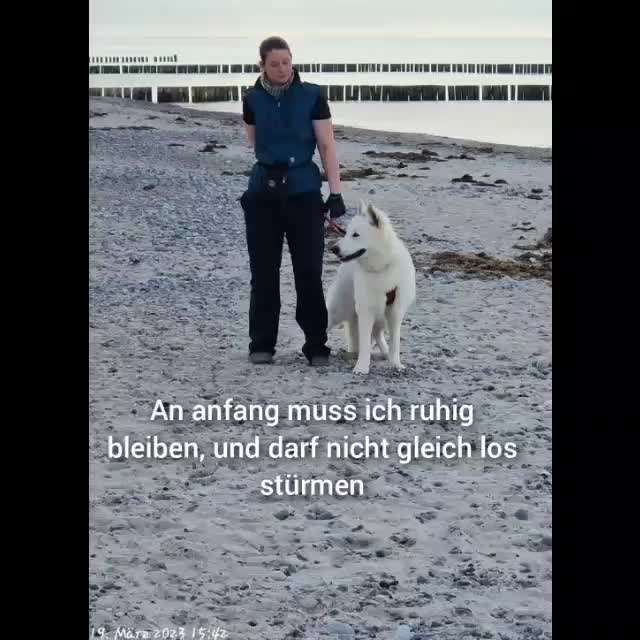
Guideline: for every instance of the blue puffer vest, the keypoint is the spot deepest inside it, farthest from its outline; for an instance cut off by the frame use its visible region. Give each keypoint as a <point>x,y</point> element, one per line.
<point>284,134</point>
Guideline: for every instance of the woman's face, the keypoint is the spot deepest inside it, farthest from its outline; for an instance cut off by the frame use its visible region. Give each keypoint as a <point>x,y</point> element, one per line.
<point>277,66</point>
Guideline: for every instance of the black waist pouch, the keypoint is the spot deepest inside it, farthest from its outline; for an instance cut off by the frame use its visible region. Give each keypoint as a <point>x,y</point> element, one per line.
<point>274,185</point>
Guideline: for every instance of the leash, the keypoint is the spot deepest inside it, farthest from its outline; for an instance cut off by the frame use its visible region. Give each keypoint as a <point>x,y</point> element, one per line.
<point>335,227</point>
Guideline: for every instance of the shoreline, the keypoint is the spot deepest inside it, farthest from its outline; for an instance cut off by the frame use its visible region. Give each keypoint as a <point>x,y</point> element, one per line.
<point>413,137</point>
<point>371,135</point>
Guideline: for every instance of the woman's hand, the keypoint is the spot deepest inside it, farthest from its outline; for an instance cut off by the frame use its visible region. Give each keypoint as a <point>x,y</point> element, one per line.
<point>335,205</point>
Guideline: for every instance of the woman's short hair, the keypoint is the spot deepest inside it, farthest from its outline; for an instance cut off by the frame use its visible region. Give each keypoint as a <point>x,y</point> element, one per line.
<point>271,43</point>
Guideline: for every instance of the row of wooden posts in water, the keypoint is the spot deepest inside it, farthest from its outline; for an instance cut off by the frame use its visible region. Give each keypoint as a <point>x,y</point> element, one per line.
<point>338,93</point>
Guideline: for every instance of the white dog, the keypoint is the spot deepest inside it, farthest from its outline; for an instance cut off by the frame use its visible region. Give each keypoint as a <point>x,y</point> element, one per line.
<point>374,286</point>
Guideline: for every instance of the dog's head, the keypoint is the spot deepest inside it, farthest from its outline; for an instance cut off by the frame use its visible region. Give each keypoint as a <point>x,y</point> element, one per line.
<point>364,233</point>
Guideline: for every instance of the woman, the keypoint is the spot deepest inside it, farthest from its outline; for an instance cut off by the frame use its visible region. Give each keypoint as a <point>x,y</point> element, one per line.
<point>285,120</point>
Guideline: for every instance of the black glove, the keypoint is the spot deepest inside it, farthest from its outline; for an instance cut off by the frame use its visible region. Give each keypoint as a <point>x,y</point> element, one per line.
<point>335,205</point>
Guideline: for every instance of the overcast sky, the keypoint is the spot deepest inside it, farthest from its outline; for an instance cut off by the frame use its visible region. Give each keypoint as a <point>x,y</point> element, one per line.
<point>507,18</point>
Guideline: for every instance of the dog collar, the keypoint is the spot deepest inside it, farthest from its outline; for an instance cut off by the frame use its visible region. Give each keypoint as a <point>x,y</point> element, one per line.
<point>353,256</point>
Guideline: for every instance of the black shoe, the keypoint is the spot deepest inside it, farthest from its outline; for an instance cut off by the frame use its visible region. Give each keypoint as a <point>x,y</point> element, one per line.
<point>261,357</point>
<point>319,361</point>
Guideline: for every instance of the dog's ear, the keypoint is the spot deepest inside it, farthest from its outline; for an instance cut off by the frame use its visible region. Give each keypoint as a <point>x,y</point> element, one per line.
<point>374,216</point>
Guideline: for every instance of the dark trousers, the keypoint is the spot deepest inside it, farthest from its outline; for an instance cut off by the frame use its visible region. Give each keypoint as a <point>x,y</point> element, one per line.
<point>299,218</point>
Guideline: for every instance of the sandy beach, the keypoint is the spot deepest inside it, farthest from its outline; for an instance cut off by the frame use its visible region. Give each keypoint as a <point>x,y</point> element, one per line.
<point>435,549</point>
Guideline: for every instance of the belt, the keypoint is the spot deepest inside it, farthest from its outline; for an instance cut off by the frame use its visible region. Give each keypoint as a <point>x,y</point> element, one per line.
<point>283,164</point>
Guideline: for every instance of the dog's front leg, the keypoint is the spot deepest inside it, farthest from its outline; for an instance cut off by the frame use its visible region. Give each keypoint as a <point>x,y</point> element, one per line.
<point>365,326</point>
<point>395,320</point>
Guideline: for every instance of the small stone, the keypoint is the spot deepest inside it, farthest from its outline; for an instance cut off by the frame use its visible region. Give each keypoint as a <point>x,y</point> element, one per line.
<point>282,515</point>
<point>339,631</point>
<point>404,633</point>
<point>361,540</point>
<point>403,540</point>
<point>318,513</point>
<point>387,584</point>
<point>465,178</point>
<point>522,514</point>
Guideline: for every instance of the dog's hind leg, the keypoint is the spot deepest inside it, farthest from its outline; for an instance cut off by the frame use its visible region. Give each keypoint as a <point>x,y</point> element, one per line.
<point>378,333</point>
<point>351,334</point>
<point>332,320</point>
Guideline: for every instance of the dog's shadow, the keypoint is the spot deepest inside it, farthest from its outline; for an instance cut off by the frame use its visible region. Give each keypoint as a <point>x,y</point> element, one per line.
<point>352,356</point>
